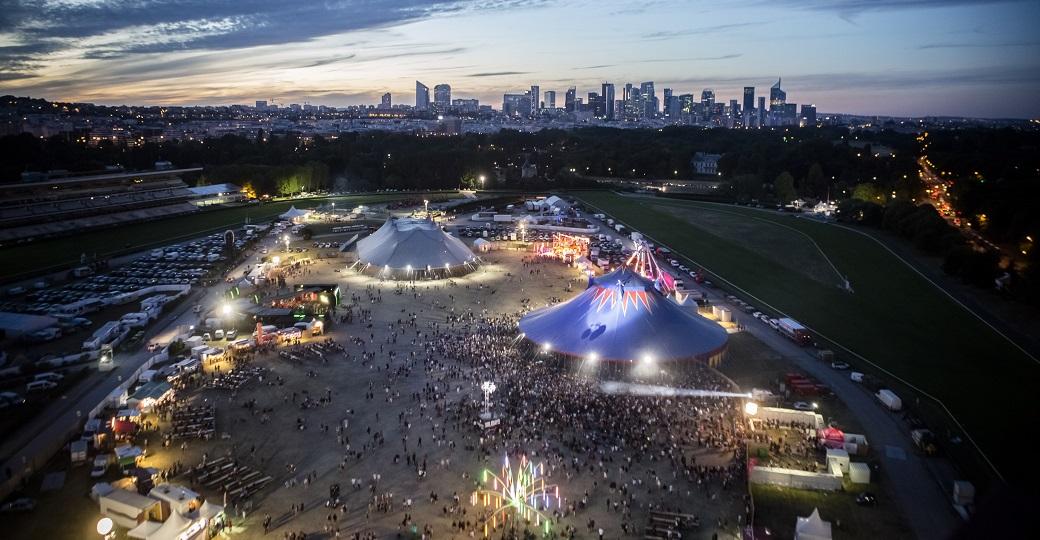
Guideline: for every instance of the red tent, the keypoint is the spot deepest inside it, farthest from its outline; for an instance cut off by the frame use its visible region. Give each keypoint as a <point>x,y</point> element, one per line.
<point>832,437</point>
<point>121,427</point>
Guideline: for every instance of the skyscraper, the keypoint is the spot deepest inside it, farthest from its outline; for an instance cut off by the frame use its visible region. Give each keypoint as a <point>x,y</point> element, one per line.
<point>422,96</point>
<point>385,102</point>
<point>442,95</point>
<point>261,105</point>
<point>667,101</point>
<point>608,100</point>
<point>749,98</point>
<point>550,99</point>
<point>808,116</point>
<point>707,98</point>
<point>761,111</point>
<point>516,104</point>
<point>650,108</point>
<point>569,101</point>
<point>777,97</point>
<point>536,93</point>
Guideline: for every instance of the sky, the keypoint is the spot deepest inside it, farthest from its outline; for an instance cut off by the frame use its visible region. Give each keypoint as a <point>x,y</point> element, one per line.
<point>976,58</point>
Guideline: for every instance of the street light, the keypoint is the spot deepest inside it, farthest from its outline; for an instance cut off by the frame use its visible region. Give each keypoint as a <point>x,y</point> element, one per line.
<point>482,178</point>
<point>426,205</point>
<point>104,527</point>
<point>226,309</point>
<point>285,238</point>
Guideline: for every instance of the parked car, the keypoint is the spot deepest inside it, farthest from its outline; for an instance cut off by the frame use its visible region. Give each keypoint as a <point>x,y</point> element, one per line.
<point>219,334</point>
<point>230,334</point>
<point>866,499</point>
<point>40,386</point>
<point>100,466</point>
<point>802,406</point>
<point>23,504</point>
<point>839,365</point>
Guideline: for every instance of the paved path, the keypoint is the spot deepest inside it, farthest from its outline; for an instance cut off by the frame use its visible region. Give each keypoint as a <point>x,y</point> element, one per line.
<point>912,481</point>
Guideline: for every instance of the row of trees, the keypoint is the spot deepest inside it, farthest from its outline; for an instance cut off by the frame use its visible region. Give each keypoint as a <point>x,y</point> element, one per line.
<point>820,162</point>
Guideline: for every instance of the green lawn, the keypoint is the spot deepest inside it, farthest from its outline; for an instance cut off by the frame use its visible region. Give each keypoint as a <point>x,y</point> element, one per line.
<point>777,508</point>
<point>895,318</point>
<point>25,260</point>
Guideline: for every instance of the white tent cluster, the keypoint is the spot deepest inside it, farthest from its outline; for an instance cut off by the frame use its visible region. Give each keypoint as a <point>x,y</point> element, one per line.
<point>413,249</point>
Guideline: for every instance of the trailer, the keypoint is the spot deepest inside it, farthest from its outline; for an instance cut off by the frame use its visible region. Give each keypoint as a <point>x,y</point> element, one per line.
<point>794,330</point>
<point>889,399</point>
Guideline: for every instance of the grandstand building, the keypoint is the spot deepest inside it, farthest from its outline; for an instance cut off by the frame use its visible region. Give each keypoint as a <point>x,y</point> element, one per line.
<point>217,194</point>
<point>33,210</point>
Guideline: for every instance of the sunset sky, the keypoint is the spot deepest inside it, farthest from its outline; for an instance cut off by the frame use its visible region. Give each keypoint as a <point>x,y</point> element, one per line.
<point>893,57</point>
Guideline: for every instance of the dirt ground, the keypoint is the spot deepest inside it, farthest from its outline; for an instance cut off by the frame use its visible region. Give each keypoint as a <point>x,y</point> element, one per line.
<point>368,397</point>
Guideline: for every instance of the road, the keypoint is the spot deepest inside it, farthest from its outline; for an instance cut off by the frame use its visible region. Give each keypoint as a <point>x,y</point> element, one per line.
<point>913,482</point>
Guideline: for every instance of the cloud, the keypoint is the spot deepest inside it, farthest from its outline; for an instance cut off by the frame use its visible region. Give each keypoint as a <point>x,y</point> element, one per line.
<point>718,28</point>
<point>115,29</point>
<point>598,66</point>
<point>967,45</point>
<point>497,73</point>
<point>848,9</point>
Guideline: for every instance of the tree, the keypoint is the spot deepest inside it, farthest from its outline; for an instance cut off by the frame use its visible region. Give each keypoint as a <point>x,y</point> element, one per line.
<point>307,233</point>
<point>868,192</point>
<point>815,182</point>
<point>784,187</point>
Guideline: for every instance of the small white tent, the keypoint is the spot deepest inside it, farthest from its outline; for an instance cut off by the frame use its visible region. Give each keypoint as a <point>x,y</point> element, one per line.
<point>812,527</point>
<point>482,245</point>
<point>293,213</point>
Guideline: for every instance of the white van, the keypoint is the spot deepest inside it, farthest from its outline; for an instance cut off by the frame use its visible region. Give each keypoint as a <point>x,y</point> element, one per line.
<point>219,334</point>
<point>40,386</point>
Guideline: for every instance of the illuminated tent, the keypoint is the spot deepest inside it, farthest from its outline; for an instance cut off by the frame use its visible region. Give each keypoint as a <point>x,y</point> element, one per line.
<point>831,437</point>
<point>812,527</point>
<point>293,213</point>
<point>621,317</point>
<point>408,247</point>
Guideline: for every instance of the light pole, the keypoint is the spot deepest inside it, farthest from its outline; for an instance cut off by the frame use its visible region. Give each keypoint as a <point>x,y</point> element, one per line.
<point>426,207</point>
<point>489,388</point>
<point>482,178</point>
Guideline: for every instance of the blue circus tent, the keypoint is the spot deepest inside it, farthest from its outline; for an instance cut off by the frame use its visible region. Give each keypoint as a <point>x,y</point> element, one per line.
<point>621,317</point>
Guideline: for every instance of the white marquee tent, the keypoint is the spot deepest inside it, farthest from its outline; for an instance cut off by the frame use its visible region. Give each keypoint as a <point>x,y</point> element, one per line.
<point>812,527</point>
<point>293,213</point>
<point>414,245</point>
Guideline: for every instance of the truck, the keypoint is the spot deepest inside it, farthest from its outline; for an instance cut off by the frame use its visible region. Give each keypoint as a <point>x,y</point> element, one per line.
<point>925,441</point>
<point>889,399</point>
<point>794,331</point>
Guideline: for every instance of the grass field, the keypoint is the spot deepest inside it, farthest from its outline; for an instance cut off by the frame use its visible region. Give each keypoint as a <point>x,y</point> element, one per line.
<point>777,508</point>
<point>26,259</point>
<point>894,319</point>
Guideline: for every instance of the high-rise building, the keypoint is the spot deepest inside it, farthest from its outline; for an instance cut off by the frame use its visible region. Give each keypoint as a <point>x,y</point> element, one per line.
<point>668,101</point>
<point>685,103</point>
<point>536,93</point>
<point>570,100</point>
<point>385,102</point>
<point>734,108</point>
<point>808,117</point>
<point>608,101</point>
<point>516,104</point>
<point>550,99</point>
<point>422,96</point>
<point>442,95</point>
<point>650,108</point>
<point>749,98</point>
<point>761,111</point>
<point>597,105</point>
<point>777,97</point>
<point>707,98</point>
<point>261,105</point>
<point>466,105</point>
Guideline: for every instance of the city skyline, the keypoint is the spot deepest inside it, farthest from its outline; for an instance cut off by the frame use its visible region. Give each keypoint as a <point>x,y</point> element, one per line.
<point>848,56</point>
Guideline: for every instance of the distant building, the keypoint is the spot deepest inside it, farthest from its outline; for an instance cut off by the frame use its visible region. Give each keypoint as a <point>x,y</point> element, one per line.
<point>808,116</point>
<point>704,163</point>
<point>516,104</point>
<point>442,95</point>
<point>650,108</point>
<point>422,96</point>
<point>749,98</point>
<point>386,102</point>
<point>216,194</point>
<point>608,101</point>
<point>761,110</point>
<point>570,100</point>
<point>261,105</point>
<point>668,97</point>
<point>535,94</point>
<point>451,126</point>
<point>777,97</point>
<point>550,99</point>
<point>466,105</point>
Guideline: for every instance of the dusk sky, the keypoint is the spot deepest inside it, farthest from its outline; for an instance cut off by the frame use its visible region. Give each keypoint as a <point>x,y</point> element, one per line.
<point>893,57</point>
